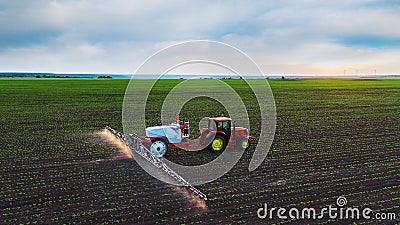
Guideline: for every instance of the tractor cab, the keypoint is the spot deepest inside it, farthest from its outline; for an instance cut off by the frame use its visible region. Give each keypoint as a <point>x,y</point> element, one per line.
<point>220,124</point>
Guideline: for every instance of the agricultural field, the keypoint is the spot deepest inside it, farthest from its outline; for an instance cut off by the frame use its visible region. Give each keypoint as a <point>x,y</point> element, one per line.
<point>334,137</point>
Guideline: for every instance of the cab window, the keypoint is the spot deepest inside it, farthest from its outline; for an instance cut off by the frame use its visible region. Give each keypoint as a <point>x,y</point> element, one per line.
<point>219,126</point>
<point>212,125</point>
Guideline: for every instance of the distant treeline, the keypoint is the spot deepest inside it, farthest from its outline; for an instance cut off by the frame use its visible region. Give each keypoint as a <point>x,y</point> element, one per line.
<point>52,75</point>
<point>180,76</point>
<point>55,76</point>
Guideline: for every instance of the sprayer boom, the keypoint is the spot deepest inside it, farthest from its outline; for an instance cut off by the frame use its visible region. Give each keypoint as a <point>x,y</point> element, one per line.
<point>134,144</point>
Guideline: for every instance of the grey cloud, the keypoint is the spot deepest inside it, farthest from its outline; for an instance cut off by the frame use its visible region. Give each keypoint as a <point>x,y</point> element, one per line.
<point>116,36</point>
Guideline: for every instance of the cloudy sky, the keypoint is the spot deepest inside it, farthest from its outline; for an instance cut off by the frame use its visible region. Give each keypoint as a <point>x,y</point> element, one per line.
<point>283,37</point>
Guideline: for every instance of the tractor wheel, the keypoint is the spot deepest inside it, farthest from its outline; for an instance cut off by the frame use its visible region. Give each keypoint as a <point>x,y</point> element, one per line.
<point>159,148</point>
<point>218,144</point>
<point>243,143</point>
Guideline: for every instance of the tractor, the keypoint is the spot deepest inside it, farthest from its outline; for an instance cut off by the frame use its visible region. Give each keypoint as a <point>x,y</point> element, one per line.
<point>219,133</point>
